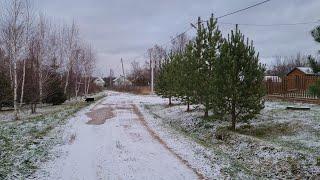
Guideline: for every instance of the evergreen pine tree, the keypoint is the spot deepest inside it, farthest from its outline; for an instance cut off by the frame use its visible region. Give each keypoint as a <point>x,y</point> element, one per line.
<point>200,76</point>
<point>161,84</point>
<point>315,33</point>
<point>166,83</point>
<point>239,75</point>
<point>187,78</point>
<point>314,64</point>
<point>56,94</point>
<point>214,39</point>
<point>206,52</point>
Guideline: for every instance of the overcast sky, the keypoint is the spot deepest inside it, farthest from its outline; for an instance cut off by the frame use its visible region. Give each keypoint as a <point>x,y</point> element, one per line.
<point>127,28</point>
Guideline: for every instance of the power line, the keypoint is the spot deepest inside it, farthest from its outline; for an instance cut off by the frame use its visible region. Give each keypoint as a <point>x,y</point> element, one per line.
<point>225,15</point>
<point>228,14</point>
<point>177,36</point>
<point>240,10</point>
<point>271,25</point>
<point>174,38</point>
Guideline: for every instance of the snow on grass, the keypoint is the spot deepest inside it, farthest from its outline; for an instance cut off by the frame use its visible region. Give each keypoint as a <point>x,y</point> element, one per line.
<point>24,144</point>
<point>42,110</point>
<point>277,144</point>
<point>209,162</point>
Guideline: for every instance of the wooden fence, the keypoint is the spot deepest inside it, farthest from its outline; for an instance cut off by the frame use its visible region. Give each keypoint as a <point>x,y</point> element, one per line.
<point>143,90</point>
<point>291,87</point>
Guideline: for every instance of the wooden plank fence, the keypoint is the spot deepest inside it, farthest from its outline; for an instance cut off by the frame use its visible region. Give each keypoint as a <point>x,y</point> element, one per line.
<point>291,87</point>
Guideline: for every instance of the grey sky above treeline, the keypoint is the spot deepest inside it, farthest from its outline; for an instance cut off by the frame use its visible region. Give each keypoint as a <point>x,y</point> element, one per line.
<point>127,28</point>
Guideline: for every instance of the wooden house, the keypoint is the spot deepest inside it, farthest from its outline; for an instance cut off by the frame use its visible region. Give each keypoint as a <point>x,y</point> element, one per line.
<point>300,78</point>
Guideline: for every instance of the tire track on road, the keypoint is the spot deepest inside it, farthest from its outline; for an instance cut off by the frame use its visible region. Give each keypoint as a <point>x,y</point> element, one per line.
<point>153,134</point>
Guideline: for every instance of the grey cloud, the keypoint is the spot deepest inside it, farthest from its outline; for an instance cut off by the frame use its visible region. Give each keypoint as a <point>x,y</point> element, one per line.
<point>126,28</point>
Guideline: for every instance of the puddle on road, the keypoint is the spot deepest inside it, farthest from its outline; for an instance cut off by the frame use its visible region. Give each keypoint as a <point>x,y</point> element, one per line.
<point>100,116</point>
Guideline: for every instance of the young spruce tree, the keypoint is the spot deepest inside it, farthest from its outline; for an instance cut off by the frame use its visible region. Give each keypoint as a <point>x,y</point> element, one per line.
<point>166,82</point>
<point>206,49</point>
<point>239,75</point>
<point>214,39</point>
<point>187,68</point>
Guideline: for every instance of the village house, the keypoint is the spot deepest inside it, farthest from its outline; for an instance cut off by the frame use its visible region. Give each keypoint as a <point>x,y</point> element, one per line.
<point>122,81</point>
<point>99,82</point>
<point>272,79</point>
<point>300,78</point>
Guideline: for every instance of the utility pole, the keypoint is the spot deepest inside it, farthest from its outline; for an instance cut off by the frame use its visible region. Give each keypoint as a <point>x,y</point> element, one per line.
<point>123,68</point>
<point>152,75</point>
<point>110,78</point>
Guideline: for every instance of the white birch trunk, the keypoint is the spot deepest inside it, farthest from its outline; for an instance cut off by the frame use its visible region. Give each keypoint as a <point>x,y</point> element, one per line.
<point>15,91</point>
<point>67,82</point>
<point>23,82</point>
<point>11,74</point>
<point>85,85</point>
<point>88,85</point>
<point>40,83</point>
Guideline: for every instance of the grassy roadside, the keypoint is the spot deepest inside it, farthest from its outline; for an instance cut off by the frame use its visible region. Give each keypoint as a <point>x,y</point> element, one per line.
<point>234,170</point>
<point>25,144</point>
<point>282,146</point>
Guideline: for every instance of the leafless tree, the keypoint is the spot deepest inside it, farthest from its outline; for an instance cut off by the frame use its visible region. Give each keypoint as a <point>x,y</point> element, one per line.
<point>283,65</point>
<point>156,56</point>
<point>179,43</point>
<point>89,67</point>
<point>71,39</point>
<point>13,29</point>
<point>29,20</point>
<point>34,54</point>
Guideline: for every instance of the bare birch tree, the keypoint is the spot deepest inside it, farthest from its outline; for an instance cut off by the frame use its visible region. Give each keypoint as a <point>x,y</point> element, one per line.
<point>29,21</point>
<point>13,27</point>
<point>42,34</point>
<point>71,39</point>
<point>89,66</point>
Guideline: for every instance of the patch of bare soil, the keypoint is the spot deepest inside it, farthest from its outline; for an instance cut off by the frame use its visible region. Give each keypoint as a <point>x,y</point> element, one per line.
<point>135,137</point>
<point>123,108</point>
<point>99,116</point>
<point>161,141</point>
<point>72,138</point>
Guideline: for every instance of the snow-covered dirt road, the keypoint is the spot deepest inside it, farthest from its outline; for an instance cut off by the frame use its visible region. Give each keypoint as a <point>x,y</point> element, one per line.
<point>112,140</point>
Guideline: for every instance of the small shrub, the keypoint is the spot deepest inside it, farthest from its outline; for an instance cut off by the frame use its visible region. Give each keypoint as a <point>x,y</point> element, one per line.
<point>294,165</point>
<point>318,161</point>
<point>55,94</point>
<point>57,98</point>
<point>208,126</point>
<point>266,130</point>
<point>314,89</point>
<point>246,126</point>
<point>222,134</point>
<point>6,97</point>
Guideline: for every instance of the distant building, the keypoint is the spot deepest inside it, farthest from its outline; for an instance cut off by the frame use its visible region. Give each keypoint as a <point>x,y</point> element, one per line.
<point>301,71</point>
<point>272,79</point>
<point>300,78</point>
<point>122,81</point>
<point>99,82</point>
